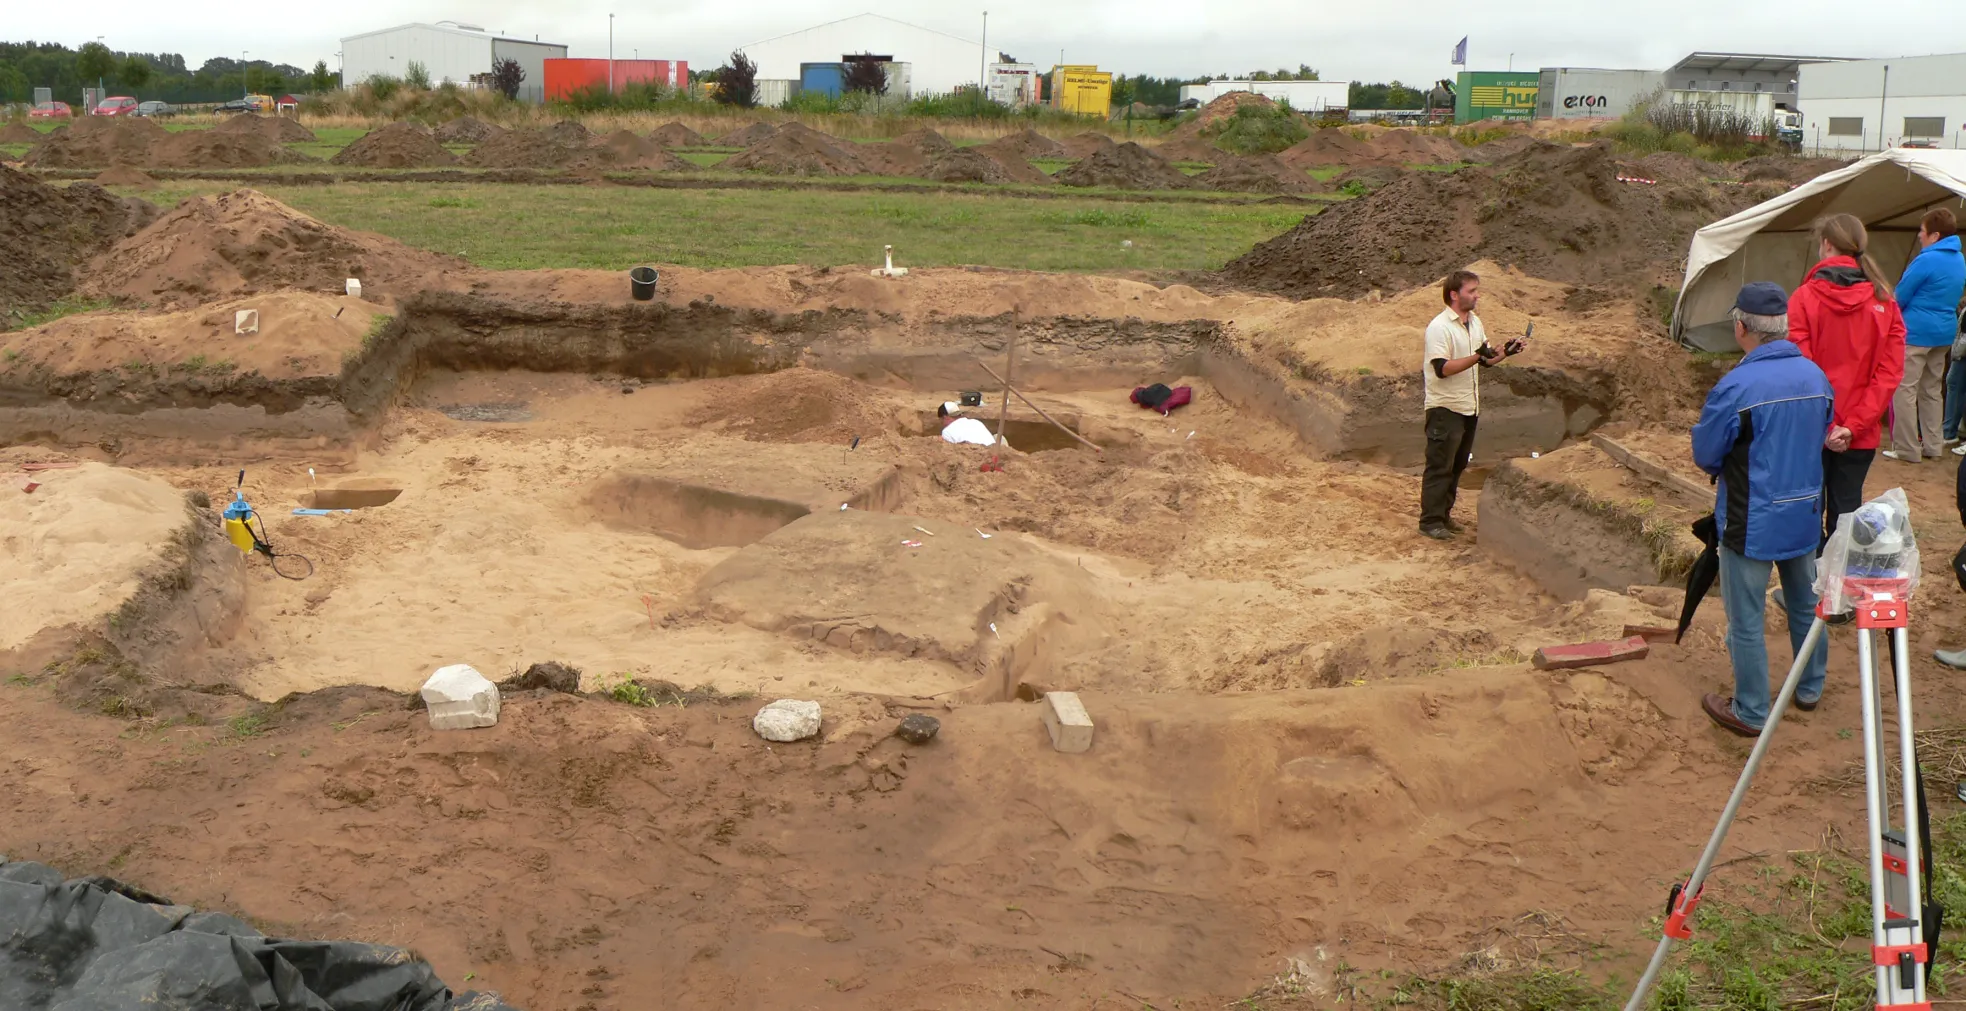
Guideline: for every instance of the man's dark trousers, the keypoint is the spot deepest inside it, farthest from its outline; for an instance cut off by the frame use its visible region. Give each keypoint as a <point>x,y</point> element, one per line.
<point>1450,439</point>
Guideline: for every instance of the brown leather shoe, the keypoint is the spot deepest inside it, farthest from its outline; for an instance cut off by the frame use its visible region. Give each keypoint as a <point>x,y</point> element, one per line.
<point>1721,711</point>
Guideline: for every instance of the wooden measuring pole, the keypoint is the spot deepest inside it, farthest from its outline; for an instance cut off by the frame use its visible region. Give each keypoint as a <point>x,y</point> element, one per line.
<point>1009,362</point>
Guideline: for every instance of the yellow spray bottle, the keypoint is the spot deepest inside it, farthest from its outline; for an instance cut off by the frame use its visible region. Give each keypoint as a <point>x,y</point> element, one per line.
<point>236,515</point>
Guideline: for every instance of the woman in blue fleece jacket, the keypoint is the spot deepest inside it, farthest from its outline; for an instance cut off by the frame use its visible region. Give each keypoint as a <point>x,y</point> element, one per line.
<point>1928,297</point>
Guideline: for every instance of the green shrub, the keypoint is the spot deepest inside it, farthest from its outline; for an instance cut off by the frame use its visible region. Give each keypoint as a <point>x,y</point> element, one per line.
<point>1258,129</point>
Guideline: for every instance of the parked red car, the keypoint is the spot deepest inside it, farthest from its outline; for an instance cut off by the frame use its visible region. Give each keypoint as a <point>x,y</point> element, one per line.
<point>115,105</point>
<point>50,110</point>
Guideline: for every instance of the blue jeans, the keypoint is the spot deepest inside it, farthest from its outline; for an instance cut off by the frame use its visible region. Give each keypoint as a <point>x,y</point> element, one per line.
<point>1955,398</point>
<point>1744,591</point>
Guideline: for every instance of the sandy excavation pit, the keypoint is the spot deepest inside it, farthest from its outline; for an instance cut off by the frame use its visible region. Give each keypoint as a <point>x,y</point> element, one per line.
<point>1319,741</point>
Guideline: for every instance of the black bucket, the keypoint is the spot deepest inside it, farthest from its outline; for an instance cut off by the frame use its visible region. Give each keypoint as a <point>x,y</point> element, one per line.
<point>641,282</point>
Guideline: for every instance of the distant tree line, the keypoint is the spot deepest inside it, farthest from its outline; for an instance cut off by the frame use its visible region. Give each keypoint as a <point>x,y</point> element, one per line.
<point>25,66</point>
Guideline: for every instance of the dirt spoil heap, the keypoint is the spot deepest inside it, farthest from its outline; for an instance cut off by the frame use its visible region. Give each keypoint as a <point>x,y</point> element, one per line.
<point>556,146</point>
<point>1125,166</point>
<point>46,231</point>
<point>1785,168</point>
<point>18,132</point>
<point>278,129</point>
<point>467,130</point>
<point>1025,144</point>
<point>1190,149</point>
<point>1333,146</point>
<point>220,149</point>
<point>97,142</point>
<point>245,241</point>
<point>968,165</point>
<point>622,149</point>
<point>398,145</point>
<point>1406,146</point>
<point>906,155</point>
<point>799,150</point>
<point>747,135</point>
<point>676,135</point>
<point>1258,174</point>
<point>1225,108</point>
<point>1085,145</point>
<point>125,175</point>
<point>1553,211</point>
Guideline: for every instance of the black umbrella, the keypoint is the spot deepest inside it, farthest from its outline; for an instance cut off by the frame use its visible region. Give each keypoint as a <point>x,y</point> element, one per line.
<point>1706,568</point>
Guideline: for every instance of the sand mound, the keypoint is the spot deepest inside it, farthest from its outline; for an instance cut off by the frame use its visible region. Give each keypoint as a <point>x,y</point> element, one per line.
<point>676,135</point>
<point>795,405</point>
<point>125,175</point>
<point>398,145</point>
<point>1332,146</point>
<point>1086,145</point>
<point>1260,174</point>
<point>906,155</point>
<point>747,135</point>
<point>1126,166</point>
<point>278,129</point>
<point>80,546</point>
<point>1025,144</point>
<point>215,149</point>
<point>467,130</point>
<point>1411,147</point>
<point>967,165</point>
<point>45,231</point>
<point>233,243</point>
<point>302,334</point>
<point>556,146</point>
<point>1553,211</point>
<point>19,133</point>
<point>797,150</point>
<point>97,142</point>
<point>622,149</point>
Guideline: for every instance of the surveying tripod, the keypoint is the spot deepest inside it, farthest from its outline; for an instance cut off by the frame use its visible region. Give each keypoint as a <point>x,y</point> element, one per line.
<point>1901,924</point>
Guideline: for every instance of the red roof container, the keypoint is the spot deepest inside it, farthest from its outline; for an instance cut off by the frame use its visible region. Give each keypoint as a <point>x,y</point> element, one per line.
<point>564,77</point>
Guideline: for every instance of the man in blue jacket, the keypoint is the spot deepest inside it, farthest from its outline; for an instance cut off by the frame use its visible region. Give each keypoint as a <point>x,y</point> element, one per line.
<point>1762,433</point>
<point>1928,295</point>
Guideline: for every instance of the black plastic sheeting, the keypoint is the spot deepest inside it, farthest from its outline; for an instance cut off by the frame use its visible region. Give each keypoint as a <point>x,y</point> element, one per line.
<point>96,944</point>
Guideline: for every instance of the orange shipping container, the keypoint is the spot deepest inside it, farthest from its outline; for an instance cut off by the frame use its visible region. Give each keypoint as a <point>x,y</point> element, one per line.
<point>565,77</point>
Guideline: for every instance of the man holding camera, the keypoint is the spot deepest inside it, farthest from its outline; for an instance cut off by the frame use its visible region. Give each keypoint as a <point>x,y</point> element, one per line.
<point>1456,345</point>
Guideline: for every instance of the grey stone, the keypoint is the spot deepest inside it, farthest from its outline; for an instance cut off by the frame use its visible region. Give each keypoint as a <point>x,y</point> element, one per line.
<point>918,729</point>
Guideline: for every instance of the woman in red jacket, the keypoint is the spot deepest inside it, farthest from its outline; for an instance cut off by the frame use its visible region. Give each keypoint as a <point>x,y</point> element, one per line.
<point>1843,318</point>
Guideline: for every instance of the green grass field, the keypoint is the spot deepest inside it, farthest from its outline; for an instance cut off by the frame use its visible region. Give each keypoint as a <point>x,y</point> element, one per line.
<point>504,226</point>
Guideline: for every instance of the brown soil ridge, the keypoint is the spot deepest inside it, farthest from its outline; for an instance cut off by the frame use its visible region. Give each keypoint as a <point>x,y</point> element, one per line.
<point>1085,145</point>
<point>676,135</point>
<point>19,133</point>
<point>623,149</point>
<point>555,146</point>
<point>1333,146</point>
<point>1190,149</point>
<point>1258,174</point>
<point>103,142</point>
<point>1552,211</point>
<point>747,135</point>
<point>467,130</point>
<point>233,243</point>
<point>795,149</point>
<point>46,231</point>
<point>126,175</point>
<point>906,155</point>
<point>1024,144</point>
<point>278,129</point>
<point>1125,166</point>
<point>968,165</point>
<point>398,145</point>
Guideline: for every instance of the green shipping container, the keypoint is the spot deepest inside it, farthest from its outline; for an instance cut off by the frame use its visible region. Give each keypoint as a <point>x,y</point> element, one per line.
<point>1496,95</point>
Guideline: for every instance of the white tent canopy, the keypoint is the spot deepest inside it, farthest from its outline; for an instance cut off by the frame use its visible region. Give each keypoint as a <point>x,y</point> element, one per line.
<point>1772,241</point>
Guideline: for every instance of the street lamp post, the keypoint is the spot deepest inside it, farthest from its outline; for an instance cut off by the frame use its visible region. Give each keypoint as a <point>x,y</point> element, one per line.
<point>245,77</point>
<point>983,65</point>
<point>99,88</point>
<point>610,54</point>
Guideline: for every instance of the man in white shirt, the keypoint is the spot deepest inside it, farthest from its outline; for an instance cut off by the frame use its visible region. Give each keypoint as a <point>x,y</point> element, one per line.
<point>961,430</point>
<point>1456,344</point>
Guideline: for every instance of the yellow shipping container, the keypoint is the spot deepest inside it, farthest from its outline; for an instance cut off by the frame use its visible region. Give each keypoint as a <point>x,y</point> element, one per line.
<point>1085,90</point>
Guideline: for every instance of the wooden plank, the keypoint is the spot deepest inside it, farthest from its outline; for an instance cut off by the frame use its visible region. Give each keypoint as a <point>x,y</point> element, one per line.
<point>1650,469</point>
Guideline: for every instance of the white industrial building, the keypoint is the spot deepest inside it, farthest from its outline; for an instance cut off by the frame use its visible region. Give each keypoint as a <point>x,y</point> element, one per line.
<point>449,51</point>
<point>1594,93</point>
<point>940,62</point>
<point>1870,105</point>
<point>1303,96</point>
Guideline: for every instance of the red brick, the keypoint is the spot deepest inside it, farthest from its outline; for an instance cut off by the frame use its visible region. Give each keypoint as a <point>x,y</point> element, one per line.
<point>1590,654</point>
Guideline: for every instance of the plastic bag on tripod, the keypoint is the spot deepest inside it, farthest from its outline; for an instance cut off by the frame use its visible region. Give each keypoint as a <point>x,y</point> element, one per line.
<point>1871,552</point>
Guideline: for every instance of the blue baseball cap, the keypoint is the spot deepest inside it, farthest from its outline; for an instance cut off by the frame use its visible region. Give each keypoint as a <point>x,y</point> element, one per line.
<point>1762,298</point>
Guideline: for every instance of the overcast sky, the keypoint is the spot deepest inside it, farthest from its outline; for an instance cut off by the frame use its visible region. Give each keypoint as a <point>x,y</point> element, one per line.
<point>1358,40</point>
